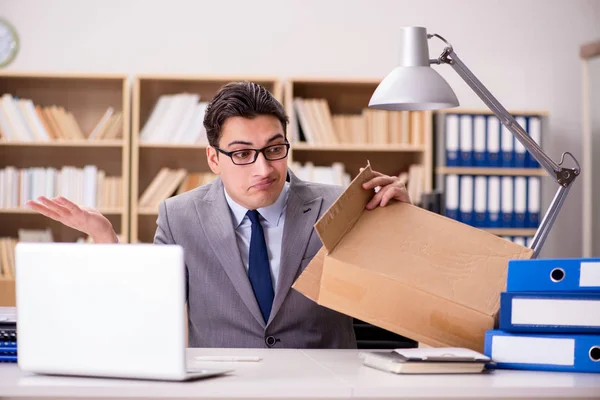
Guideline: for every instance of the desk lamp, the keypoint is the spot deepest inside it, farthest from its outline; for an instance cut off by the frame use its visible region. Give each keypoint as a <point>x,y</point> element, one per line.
<point>414,85</point>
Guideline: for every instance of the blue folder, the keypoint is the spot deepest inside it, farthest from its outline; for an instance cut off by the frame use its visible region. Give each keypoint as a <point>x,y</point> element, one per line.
<point>546,312</point>
<point>554,275</point>
<point>8,350</point>
<point>11,359</point>
<point>544,352</point>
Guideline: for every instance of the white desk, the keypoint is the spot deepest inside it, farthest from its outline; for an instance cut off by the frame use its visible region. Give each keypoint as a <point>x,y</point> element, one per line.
<point>305,374</point>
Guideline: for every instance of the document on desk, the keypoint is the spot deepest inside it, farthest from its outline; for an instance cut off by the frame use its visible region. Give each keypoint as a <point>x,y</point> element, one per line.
<point>442,360</point>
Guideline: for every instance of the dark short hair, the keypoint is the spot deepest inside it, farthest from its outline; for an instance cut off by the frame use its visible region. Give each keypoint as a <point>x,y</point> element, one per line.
<point>240,99</point>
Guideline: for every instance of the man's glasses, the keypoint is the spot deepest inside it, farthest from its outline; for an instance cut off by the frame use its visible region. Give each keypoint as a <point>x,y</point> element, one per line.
<point>249,156</point>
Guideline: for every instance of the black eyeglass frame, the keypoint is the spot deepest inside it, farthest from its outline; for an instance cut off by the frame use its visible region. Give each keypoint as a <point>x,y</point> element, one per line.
<point>256,153</point>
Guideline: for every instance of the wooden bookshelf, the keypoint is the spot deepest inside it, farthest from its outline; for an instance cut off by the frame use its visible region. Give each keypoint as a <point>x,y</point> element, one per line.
<point>7,292</point>
<point>350,98</point>
<point>479,111</point>
<point>343,147</point>
<point>148,157</point>
<point>491,171</point>
<point>87,97</point>
<point>511,231</point>
<point>84,99</point>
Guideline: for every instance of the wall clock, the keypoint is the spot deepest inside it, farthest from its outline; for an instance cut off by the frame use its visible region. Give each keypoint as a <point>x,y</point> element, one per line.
<point>9,43</point>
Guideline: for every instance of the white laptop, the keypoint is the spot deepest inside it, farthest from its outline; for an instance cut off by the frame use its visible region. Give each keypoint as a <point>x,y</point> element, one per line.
<point>103,310</point>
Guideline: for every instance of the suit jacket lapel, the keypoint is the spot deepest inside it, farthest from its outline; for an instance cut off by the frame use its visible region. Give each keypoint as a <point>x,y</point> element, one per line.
<point>301,214</point>
<point>216,222</point>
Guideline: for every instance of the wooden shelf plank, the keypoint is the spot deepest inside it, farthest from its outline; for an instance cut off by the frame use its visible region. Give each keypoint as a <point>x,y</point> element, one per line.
<point>511,231</point>
<point>491,171</point>
<point>104,211</point>
<point>63,75</point>
<point>335,80</point>
<point>147,211</point>
<point>173,146</point>
<point>357,147</point>
<point>66,143</point>
<point>479,111</point>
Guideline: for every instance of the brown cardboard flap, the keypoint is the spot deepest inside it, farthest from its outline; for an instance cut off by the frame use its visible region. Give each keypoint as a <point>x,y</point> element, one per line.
<point>432,253</point>
<point>347,209</point>
<point>401,308</point>
<point>309,282</point>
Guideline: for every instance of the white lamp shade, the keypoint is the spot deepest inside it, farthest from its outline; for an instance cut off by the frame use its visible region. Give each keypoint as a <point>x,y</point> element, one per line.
<point>413,85</point>
<point>413,88</point>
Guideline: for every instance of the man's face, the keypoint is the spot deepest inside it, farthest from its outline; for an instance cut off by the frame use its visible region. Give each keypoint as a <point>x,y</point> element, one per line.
<point>254,185</point>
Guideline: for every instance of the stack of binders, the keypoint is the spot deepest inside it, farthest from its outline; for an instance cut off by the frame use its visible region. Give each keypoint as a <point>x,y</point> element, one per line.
<point>8,335</point>
<point>549,317</point>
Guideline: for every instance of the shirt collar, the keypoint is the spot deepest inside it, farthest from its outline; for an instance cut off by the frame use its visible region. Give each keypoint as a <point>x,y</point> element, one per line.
<point>271,213</point>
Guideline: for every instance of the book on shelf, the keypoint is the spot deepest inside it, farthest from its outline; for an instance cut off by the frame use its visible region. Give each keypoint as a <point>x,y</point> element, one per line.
<point>333,174</point>
<point>176,118</point>
<point>8,244</point>
<point>87,186</point>
<point>414,182</point>
<point>7,257</point>
<point>194,180</point>
<point>23,121</point>
<point>35,235</point>
<point>320,126</point>
<point>170,181</point>
<point>110,126</point>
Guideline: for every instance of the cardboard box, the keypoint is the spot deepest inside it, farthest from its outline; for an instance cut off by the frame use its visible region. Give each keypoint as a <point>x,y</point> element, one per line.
<point>408,270</point>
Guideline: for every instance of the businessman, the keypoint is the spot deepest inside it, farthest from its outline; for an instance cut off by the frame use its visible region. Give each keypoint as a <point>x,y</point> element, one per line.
<point>246,236</point>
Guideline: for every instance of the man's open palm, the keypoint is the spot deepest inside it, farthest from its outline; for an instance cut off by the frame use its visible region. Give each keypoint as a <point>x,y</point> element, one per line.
<point>84,219</point>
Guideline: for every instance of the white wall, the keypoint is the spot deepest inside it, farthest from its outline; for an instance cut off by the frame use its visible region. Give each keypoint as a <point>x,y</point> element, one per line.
<point>525,51</point>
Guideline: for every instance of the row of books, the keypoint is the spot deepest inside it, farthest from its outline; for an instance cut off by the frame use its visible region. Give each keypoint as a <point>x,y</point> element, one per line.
<point>110,126</point>
<point>524,241</point>
<point>319,126</point>
<point>176,118</point>
<point>22,121</point>
<point>494,201</point>
<point>549,316</point>
<point>170,181</point>
<point>8,244</point>
<point>482,141</point>
<point>87,186</point>
<point>334,174</point>
<point>8,335</point>
<point>7,257</point>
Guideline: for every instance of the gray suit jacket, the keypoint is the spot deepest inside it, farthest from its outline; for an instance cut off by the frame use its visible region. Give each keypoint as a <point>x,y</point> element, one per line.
<point>222,309</point>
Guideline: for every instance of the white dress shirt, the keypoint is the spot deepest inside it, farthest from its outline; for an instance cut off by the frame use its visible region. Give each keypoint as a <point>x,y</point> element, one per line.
<point>272,219</point>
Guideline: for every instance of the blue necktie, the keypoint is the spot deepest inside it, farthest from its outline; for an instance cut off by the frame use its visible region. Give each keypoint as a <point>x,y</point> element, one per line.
<point>259,271</point>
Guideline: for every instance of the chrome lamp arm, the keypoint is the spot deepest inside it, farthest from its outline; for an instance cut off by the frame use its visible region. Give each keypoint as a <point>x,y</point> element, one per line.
<point>563,176</point>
